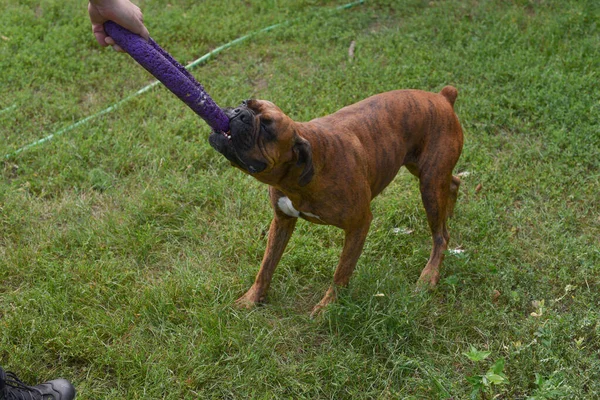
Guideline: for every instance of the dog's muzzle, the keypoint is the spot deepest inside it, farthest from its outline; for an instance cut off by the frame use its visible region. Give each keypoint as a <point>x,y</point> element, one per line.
<point>239,140</point>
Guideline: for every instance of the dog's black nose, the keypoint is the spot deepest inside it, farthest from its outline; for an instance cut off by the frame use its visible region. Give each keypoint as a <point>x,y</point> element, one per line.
<point>243,114</point>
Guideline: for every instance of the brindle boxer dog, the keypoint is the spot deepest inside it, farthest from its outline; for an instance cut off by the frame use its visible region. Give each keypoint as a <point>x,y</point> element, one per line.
<point>328,170</point>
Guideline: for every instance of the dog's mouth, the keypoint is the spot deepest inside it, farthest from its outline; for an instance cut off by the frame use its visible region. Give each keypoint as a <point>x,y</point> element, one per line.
<point>223,143</point>
<point>226,134</point>
<point>236,143</point>
<point>234,114</point>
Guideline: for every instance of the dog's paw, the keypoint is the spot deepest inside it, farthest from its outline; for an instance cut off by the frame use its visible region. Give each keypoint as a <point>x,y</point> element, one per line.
<point>317,310</point>
<point>428,279</point>
<point>329,297</point>
<point>248,301</point>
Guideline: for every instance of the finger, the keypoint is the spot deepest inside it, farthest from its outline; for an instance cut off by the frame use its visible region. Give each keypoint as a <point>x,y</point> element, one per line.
<point>101,37</point>
<point>139,27</point>
<point>143,30</point>
<point>144,33</point>
<point>97,24</point>
<point>95,15</point>
<point>110,41</point>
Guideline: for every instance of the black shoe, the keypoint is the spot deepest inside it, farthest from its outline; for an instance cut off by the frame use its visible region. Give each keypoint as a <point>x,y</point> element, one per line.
<point>11,388</point>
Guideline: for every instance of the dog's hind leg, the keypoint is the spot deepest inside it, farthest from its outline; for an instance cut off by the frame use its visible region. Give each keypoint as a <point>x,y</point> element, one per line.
<point>437,195</point>
<point>454,185</point>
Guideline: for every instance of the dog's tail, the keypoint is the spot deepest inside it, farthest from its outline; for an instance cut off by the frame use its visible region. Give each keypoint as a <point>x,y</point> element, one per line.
<point>450,93</point>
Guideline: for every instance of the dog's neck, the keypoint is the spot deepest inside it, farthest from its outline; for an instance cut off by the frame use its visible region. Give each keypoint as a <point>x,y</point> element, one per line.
<point>288,178</point>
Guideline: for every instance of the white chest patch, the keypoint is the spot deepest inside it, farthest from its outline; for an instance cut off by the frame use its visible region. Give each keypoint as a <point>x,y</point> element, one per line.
<point>311,215</point>
<point>285,205</point>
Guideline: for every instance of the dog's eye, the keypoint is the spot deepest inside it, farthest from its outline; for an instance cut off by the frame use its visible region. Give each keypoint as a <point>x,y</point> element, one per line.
<point>266,131</point>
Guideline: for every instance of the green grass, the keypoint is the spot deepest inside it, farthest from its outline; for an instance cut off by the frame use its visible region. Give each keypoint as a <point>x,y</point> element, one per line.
<point>124,242</point>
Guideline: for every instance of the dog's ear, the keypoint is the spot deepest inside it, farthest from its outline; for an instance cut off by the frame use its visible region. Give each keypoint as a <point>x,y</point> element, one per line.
<point>303,153</point>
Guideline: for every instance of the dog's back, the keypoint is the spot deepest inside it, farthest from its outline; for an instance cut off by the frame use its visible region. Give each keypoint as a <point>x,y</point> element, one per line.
<point>392,129</point>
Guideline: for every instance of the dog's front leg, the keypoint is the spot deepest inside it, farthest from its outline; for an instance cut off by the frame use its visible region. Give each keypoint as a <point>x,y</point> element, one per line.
<point>353,245</point>
<point>280,232</point>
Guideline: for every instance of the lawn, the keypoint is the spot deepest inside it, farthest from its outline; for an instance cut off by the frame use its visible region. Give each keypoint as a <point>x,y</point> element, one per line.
<point>125,240</point>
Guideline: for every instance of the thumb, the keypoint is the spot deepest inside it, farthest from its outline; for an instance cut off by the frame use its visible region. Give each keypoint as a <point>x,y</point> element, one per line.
<point>137,23</point>
<point>144,32</point>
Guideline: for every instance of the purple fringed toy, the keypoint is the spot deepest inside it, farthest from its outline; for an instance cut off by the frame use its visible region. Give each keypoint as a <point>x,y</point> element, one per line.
<point>172,74</point>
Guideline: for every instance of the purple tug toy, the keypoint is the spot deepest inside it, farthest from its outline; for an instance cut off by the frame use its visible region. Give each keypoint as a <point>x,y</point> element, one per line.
<point>172,74</point>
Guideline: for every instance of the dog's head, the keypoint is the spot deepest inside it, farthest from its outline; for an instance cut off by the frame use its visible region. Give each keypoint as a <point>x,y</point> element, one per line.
<point>263,142</point>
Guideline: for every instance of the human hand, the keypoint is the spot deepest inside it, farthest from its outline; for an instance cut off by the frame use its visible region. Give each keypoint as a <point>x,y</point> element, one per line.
<point>123,12</point>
